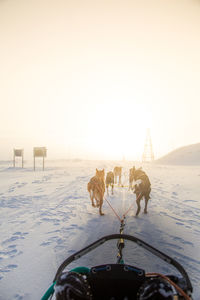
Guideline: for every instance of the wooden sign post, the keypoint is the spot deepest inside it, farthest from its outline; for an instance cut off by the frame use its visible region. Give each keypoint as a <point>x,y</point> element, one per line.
<point>39,152</point>
<point>18,153</point>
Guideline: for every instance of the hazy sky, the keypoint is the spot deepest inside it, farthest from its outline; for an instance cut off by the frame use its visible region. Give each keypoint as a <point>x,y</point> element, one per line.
<point>87,78</point>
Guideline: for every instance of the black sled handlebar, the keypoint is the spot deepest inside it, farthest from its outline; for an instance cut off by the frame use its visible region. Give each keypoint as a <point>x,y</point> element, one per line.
<point>136,240</point>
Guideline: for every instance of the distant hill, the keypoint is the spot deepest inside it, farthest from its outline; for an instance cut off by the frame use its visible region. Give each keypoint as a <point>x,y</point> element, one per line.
<point>188,155</point>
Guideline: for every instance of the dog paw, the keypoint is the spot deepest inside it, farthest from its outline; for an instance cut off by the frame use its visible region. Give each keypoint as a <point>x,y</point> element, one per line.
<point>102,214</point>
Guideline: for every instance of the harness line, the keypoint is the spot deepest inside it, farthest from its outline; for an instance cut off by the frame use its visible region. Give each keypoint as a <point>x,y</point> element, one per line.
<point>113,210</point>
<point>120,243</point>
<point>124,215</point>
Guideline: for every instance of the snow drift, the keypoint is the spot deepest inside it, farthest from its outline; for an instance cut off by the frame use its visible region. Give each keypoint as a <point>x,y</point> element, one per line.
<point>188,155</point>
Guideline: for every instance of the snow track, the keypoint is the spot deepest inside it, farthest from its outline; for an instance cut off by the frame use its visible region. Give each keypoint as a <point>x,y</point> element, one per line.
<point>46,216</point>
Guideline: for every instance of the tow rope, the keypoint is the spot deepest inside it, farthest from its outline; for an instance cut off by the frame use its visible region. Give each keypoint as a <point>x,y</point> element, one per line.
<point>120,243</point>
<point>124,215</point>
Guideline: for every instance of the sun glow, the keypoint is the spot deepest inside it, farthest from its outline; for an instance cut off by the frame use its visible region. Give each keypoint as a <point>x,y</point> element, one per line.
<point>114,132</point>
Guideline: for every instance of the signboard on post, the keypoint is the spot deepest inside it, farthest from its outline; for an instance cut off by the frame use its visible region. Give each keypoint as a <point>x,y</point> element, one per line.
<point>18,153</point>
<point>39,152</point>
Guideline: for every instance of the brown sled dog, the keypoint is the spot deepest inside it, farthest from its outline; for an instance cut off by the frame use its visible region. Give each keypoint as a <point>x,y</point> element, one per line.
<point>96,188</point>
<point>118,173</point>
<point>110,181</point>
<point>142,189</point>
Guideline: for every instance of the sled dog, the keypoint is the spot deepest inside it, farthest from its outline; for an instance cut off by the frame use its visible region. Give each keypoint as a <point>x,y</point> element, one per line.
<point>142,188</point>
<point>110,181</point>
<point>96,188</point>
<point>118,174</point>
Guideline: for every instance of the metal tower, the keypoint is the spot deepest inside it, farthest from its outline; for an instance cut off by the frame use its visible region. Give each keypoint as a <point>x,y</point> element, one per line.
<point>148,150</point>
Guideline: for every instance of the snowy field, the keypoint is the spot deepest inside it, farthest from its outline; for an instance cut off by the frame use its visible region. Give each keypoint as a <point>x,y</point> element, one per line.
<point>45,216</point>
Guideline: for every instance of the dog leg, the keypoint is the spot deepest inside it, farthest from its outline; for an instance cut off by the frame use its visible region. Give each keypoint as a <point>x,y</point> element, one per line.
<point>120,180</point>
<point>92,198</point>
<point>145,208</point>
<point>100,207</point>
<point>138,203</point>
<point>98,203</point>
<point>97,199</point>
<point>112,189</point>
<point>107,189</point>
<point>138,207</point>
<point>146,203</point>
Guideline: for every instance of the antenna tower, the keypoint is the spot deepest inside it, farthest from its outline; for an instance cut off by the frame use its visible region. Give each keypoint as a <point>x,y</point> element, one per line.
<point>148,150</point>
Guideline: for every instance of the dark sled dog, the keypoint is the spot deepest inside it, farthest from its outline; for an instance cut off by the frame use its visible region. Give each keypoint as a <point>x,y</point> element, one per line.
<point>142,190</point>
<point>110,181</point>
<point>96,188</point>
<point>117,173</point>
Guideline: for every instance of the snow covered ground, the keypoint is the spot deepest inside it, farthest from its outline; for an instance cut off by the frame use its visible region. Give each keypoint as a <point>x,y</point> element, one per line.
<point>46,216</point>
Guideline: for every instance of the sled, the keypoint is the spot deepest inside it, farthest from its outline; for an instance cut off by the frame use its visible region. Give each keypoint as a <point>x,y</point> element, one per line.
<point>120,280</point>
